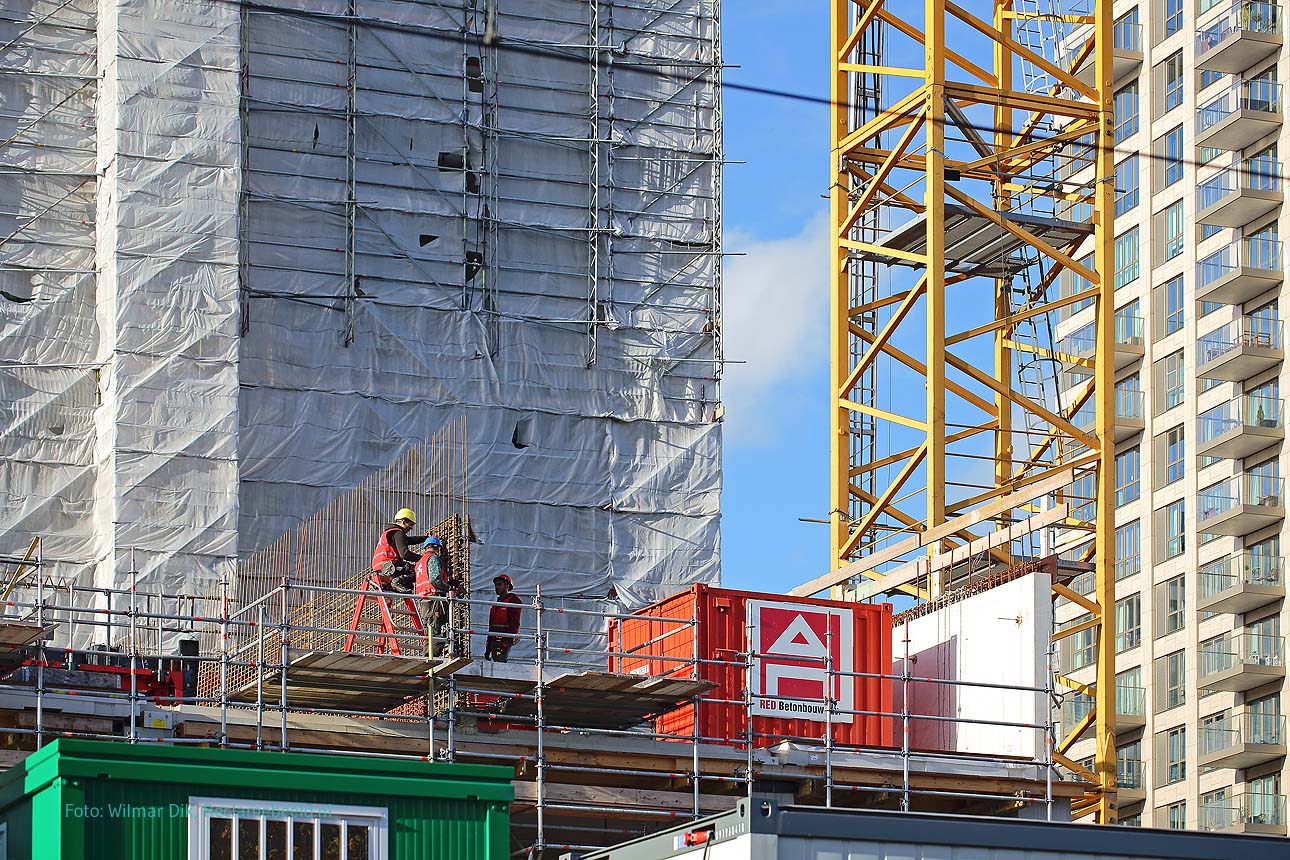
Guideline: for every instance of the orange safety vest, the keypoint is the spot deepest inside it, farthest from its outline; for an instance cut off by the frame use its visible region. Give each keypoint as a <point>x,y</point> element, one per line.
<point>384,552</point>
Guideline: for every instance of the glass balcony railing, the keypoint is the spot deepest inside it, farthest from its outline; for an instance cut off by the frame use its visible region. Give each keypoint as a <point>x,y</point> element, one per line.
<point>1130,701</point>
<point>1243,332</point>
<point>1082,342</point>
<point>1074,710</point>
<point>1244,568</point>
<point>1260,96</point>
<point>1243,810</point>
<point>1128,774</point>
<point>1252,17</point>
<point>1260,174</point>
<point>1243,490</point>
<point>1233,651</point>
<point>1129,404</point>
<point>1126,35</point>
<point>1128,330</point>
<point>1250,253</point>
<point>1248,410</point>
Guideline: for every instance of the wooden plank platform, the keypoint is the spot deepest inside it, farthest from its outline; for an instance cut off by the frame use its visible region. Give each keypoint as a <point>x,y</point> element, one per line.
<point>591,699</point>
<point>347,681</point>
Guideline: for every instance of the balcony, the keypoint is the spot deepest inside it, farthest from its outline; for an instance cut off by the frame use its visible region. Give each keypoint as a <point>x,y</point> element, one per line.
<point>1129,343</point>
<point>1126,53</point>
<point>1240,505</point>
<point>1131,786</point>
<point>1238,662</point>
<point>1245,741</point>
<point>1240,349</point>
<point>1246,813</point>
<point>1239,272</point>
<point>1130,417</point>
<point>1246,34</point>
<point>1240,583</point>
<point>1237,118</point>
<point>1241,427</point>
<point>1236,196</point>
<point>1130,708</point>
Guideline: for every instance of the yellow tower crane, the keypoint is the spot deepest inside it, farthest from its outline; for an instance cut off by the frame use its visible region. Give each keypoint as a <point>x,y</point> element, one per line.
<point>971,217</point>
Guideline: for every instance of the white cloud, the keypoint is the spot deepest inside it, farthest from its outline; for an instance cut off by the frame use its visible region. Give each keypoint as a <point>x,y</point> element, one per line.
<point>775,314</point>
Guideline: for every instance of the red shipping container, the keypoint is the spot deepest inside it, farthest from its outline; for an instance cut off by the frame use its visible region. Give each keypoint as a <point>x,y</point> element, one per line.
<point>791,636</point>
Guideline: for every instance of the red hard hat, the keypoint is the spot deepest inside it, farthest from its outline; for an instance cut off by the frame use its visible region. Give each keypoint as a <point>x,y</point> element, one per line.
<point>504,578</point>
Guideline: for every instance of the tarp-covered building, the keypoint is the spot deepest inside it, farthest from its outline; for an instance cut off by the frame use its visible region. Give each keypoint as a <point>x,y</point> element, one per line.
<point>250,250</point>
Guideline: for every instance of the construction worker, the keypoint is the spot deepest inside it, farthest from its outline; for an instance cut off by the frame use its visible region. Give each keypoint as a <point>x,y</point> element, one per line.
<point>503,620</point>
<point>394,559</point>
<point>433,579</point>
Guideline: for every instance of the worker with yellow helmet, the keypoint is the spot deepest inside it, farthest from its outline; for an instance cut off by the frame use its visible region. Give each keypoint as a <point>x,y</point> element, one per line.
<point>394,559</point>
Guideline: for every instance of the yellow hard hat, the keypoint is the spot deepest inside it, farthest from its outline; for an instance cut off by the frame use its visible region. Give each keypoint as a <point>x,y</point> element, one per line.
<point>406,514</point>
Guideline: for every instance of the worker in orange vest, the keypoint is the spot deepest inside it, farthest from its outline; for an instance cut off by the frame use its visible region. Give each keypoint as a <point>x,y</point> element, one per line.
<point>394,560</point>
<point>503,620</point>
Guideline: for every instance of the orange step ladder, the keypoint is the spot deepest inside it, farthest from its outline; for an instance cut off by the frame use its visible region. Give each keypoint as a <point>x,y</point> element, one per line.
<point>387,635</point>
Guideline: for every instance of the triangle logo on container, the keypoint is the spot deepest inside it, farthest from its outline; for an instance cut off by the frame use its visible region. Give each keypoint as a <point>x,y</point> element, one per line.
<point>791,642</point>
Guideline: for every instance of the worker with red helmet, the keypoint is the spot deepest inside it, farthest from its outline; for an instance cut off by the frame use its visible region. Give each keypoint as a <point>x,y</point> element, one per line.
<point>503,620</point>
<point>393,559</point>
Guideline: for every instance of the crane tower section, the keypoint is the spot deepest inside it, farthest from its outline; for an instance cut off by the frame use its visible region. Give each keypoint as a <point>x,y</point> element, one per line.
<point>981,191</point>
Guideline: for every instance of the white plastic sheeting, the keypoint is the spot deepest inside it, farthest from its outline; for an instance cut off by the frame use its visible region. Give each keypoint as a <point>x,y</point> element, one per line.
<point>277,280</point>
<point>472,246</point>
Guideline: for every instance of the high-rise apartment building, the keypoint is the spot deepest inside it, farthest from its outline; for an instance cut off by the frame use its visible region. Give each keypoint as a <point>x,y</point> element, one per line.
<point>1200,489</point>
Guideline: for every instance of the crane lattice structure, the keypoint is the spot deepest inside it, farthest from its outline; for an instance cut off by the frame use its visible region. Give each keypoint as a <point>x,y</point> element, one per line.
<point>987,197</point>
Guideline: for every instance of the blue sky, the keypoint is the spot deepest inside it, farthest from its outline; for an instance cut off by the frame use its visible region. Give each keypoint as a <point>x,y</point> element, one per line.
<point>776,306</point>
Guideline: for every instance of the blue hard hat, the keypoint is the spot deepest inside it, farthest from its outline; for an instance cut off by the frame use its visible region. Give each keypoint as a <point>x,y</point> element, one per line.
<point>433,541</point>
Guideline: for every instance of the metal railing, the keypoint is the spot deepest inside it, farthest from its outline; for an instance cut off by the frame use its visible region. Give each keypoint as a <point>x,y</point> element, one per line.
<point>1254,252</point>
<point>251,692</point>
<point>1246,331</point>
<point>1244,809</point>
<point>1259,173</point>
<point>1248,410</point>
<point>1082,342</point>
<point>1126,35</point>
<point>1231,735</point>
<point>1262,491</point>
<point>1226,574</point>
<point>1231,651</point>
<point>1250,17</point>
<point>1129,774</point>
<point>1260,96</point>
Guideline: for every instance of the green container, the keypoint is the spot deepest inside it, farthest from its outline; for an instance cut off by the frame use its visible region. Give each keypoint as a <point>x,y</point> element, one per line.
<point>100,799</point>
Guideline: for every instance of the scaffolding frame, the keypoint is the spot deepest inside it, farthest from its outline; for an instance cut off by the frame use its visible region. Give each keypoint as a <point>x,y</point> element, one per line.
<point>592,765</point>
<point>961,169</point>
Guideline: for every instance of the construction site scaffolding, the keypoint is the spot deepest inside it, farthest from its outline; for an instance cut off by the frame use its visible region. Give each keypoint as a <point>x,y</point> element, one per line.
<point>593,762</point>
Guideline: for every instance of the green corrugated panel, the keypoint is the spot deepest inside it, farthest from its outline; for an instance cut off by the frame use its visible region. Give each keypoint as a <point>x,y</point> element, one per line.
<point>434,810</point>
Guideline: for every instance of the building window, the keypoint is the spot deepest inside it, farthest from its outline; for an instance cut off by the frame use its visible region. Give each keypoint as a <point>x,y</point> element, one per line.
<point>1176,755</point>
<point>1128,623</point>
<point>1264,720</point>
<point>1172,294</point>
<point>1171,684</point>
<point>220,828</point>
<point>1174,454</point>
<point>1125,112</point>
<point>1172,606</point>
<point>1173,81</point>
<point>1126,185</point>
<point>1128,765</point>
<point>1128,478</point>
<point>1263,801</point>
<point>1128,549</point>
<point>1174,541</point>
<point>1134,820</point>
<point>1176,815</point>
<point>1209,77</point>
<point>1214,810</point>
<point>1173,16</point>
<point>1126,258</point>
<point>1172,163</point>
<point>1083,645</point>
<point>1174,230</point>
<point>1173,380</point>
